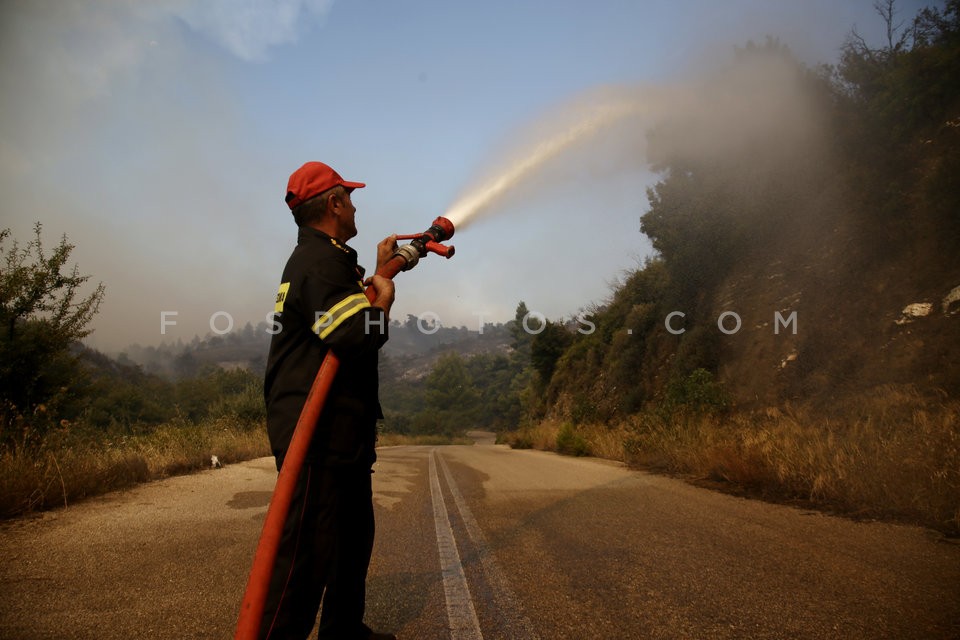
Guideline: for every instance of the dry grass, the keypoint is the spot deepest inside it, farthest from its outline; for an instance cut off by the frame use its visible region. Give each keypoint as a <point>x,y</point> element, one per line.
<point>58,474</point>
<point>542,435</point>
<point>67,468</point>
<point>596,440</point>
<point>890,454</point>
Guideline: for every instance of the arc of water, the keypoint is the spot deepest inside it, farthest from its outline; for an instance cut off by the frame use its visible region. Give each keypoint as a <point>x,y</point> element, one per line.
<point>476,201</point>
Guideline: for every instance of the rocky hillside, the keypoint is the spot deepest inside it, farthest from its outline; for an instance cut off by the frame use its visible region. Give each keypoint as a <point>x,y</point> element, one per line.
<point>865,313</point>
<point>815,215</point>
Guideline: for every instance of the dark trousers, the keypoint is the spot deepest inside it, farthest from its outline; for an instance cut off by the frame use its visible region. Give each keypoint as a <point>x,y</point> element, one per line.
<point>324,554</point>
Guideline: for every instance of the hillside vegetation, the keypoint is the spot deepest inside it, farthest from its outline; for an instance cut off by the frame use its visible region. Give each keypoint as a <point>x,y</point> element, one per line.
<point>829,227</point>
<point>794,337</point>
<point>75,423</point>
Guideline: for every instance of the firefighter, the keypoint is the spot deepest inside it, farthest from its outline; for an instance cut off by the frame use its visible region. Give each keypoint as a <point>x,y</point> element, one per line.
<point>328,535</point>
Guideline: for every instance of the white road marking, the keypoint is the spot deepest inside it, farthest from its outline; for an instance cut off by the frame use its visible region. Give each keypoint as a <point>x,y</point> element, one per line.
<point>460,612</point>
<point>520,626</point>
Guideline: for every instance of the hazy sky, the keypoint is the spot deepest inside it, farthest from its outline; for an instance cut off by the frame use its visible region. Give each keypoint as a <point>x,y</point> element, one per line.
<point>159,137</point>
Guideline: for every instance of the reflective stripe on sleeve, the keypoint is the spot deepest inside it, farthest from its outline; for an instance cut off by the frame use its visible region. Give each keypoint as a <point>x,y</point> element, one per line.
<point>333,318</point>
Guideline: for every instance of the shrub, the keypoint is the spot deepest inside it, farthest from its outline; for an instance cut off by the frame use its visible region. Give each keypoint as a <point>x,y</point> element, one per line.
<point>571,443</point>
<point>697,393</point>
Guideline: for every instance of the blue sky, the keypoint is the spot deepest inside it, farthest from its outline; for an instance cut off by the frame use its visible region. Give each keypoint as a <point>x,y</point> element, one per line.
<point>159,137</point>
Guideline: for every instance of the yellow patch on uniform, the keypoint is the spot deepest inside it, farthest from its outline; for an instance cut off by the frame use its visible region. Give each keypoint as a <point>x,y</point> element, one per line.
<point>281,297</point>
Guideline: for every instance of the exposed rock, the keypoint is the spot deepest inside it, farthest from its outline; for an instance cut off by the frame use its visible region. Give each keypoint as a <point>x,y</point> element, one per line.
<point>951,302</point>
<point>914,311</point>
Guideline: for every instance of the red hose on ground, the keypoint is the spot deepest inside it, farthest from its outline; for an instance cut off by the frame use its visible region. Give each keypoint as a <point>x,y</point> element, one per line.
<point>254,599</point>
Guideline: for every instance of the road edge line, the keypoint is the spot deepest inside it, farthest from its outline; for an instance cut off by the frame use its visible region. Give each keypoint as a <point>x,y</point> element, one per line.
<point>502,594</point>
<point>461,614</point>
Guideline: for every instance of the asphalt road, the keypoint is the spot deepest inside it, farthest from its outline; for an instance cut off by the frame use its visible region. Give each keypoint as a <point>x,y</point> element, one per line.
<point>485,542</point>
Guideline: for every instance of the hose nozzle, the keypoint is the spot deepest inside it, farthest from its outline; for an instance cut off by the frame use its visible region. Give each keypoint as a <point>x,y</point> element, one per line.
<point>440,229</point>
<point>427,242</point>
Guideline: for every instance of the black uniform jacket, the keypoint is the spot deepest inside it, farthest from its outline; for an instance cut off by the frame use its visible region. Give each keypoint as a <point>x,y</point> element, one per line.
<point>321,305</point>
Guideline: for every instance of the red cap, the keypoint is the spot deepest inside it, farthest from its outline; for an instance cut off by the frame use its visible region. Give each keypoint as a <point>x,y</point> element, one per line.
<point>311,180</point>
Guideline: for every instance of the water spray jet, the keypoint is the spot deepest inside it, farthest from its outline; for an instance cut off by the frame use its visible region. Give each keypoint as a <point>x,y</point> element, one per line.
<point>485,196</point>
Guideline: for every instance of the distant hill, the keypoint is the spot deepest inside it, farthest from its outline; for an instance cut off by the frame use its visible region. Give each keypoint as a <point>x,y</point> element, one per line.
<point>245,348</point>
<point>415,344</point>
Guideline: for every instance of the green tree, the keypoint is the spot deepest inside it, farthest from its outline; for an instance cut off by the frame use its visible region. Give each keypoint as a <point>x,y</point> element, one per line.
<point>522,329</point>
<point>897,119</point>
<point>42,316</point>
<point>495,379</point>
<point>121,397</point>
<point>547,347</point>
<point>450,399</point>
<point>449,386</point>
<point>717,201</point>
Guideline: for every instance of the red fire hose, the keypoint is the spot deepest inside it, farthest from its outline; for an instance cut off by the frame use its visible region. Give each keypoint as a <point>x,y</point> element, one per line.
<point>254,599</point>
